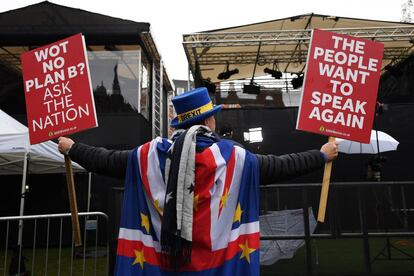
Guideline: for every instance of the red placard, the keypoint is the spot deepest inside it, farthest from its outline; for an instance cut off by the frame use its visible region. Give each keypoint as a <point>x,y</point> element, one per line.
<point>58,90</point>
<point>340,86</point>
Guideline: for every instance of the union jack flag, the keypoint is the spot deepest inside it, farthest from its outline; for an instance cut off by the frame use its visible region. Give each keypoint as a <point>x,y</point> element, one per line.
<point>225,215</point>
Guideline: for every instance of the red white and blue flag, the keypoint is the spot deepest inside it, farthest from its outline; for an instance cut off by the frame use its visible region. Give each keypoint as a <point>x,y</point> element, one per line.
<point>225,212</point>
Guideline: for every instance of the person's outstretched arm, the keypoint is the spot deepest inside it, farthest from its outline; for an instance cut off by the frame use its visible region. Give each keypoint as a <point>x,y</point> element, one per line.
<point>96,159</point>
<point>275,168</point>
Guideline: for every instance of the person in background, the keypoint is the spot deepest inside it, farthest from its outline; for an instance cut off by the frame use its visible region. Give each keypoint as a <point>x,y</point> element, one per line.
<point>226,131</point>
<point>191,204</point>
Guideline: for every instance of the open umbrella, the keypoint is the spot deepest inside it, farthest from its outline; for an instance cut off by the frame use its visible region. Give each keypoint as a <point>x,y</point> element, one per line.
<point>285,222</point>
<point>379,142</point>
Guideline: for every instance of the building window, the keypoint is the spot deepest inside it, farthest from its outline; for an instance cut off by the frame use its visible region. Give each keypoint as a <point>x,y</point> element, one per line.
<point>114,77</point>
<point>180,90</point>
<point>145,87</point>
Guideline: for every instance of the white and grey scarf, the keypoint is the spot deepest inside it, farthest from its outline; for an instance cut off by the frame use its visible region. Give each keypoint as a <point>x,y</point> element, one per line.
<point>177,220</point>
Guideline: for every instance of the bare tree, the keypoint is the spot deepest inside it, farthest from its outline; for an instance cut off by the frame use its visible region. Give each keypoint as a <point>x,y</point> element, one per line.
<point>407,11</point>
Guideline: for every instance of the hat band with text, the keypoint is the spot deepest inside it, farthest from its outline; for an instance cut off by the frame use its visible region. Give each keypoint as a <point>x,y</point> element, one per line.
<point>195,112</point>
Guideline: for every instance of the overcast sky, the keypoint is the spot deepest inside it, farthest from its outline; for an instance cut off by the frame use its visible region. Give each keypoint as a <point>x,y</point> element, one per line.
<point>171,19</point>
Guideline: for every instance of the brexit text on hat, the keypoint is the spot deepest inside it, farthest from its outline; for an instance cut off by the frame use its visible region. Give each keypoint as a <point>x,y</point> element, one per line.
<point>195,112</point>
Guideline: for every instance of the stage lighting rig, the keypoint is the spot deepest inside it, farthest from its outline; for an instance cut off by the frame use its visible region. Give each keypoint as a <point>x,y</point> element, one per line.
<point>297,82</point>
<point>228,73</point>
<point>275,73</point>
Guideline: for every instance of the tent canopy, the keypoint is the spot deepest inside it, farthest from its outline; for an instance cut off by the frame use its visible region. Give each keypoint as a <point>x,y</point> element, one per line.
<point>284,42</point>
<point>45,22</point>
<point>14,146</point>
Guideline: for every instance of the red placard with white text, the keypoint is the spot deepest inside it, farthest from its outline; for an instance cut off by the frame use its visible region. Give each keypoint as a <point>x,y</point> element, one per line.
<point>340,86</point>
<point>58,90</point>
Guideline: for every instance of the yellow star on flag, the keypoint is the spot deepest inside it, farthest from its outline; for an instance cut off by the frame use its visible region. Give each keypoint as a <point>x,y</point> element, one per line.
<point>224,197</point>
<point>157,206</point>
<point>195,203</point>
<point>238,214</point>
<point>139,258</point>
<point>145,222</point>
<point>246,251</point>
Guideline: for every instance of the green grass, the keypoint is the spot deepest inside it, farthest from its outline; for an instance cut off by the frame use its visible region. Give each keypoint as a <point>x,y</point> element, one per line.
<point>329,258</point>
<point>52,260</point>
<point>345,257</point>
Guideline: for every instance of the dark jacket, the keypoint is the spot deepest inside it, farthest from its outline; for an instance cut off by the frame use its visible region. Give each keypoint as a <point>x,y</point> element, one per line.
<point>272,168</point>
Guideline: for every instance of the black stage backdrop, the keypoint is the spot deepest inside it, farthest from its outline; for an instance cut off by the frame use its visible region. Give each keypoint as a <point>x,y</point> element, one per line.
<point>280,137</point>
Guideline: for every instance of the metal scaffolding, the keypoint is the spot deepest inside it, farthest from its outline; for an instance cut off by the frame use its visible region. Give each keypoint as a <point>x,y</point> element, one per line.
<point>211,39</point>
<point>209,52</point>
<point>157,99</point>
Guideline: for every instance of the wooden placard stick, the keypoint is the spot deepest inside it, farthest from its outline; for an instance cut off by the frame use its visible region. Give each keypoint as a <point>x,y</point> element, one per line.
<point>325,187</point>
<point>72,201</point>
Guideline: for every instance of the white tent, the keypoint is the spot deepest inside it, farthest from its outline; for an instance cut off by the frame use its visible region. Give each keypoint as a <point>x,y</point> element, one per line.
<point>15,149</point>
<point>17,156</point>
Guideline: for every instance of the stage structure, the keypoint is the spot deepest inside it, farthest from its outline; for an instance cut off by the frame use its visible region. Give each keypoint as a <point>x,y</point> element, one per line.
<point>269,58</point>
<point>283,49</point>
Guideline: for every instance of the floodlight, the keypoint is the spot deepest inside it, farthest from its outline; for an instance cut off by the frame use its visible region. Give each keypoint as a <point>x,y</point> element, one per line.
<point>228,73</point>
<point>297,82</point>
<point>251,89</point>
<point>254,135</point>
<point>275,73</point>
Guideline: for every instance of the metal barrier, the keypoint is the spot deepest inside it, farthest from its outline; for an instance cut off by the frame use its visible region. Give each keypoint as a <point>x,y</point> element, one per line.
<point>332,229</point>
<point>53,253</point>
<point>48,245</point>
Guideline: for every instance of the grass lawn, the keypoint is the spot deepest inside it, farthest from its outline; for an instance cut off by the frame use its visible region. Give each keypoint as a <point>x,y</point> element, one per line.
<point>39,267</point>
<point>330,258</point>
<point>345,257</point>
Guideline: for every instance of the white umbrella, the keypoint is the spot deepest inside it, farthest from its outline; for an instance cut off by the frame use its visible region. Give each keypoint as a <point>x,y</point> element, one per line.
<point>378,139</point>
<point>285,222</point>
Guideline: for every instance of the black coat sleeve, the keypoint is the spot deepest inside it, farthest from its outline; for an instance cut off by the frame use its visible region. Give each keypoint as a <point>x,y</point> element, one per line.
<point>275,168</point>
<point>100,160</point>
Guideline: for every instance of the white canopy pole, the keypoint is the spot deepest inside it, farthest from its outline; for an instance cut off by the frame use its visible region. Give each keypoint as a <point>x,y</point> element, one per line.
<point>22,198</point>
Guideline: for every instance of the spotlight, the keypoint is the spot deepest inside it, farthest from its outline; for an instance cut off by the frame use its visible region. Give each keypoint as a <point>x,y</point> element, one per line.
<point>297,82</point>
<point>228,73</point>
<point>251,89</point>
<point>275,73</point>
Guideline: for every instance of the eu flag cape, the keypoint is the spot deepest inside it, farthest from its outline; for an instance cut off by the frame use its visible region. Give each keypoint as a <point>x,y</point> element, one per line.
<point>225,212</point>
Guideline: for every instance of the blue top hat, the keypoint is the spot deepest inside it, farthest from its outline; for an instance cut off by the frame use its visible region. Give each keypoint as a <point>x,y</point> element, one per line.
<point>192,107</point>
